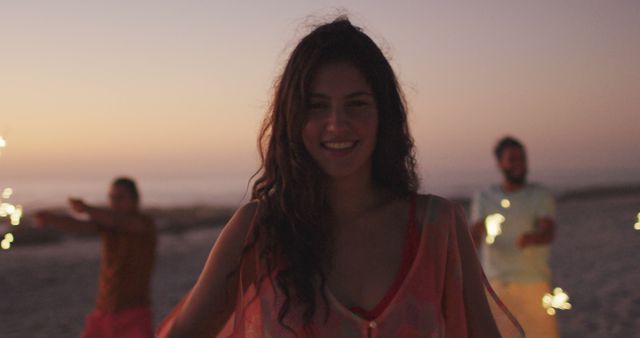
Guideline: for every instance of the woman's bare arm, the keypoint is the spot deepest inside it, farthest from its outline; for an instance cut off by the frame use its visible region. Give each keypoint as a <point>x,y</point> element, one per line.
<point>212,299</point>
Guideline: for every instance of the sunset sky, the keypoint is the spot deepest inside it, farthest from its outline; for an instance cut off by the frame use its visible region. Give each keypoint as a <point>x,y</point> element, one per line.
<point>159,89</point>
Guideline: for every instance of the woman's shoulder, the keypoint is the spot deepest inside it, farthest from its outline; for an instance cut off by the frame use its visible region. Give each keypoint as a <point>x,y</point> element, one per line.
<point>241,223</point>
<point>437,210</point>
<point>247,212</point>
<point>434,201</point>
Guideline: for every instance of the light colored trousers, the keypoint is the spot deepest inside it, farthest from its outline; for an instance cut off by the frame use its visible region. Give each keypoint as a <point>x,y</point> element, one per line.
<point>524,300</point>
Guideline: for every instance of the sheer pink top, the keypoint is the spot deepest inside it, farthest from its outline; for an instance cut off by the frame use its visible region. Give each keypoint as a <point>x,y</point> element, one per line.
<point>442,292</point>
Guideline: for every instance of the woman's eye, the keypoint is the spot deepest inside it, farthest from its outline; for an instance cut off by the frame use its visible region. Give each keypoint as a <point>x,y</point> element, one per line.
<point>316,107</point>
<point>357,104</point>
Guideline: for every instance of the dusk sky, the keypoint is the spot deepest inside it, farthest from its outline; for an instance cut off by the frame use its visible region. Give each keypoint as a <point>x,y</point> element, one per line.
<point>178,89</point>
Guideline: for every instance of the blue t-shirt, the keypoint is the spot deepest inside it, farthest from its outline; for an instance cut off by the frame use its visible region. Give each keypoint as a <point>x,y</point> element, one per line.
<point>503,259</point>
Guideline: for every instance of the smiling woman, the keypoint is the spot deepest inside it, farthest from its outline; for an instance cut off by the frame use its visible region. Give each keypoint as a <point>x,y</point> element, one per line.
<point>337,242</point>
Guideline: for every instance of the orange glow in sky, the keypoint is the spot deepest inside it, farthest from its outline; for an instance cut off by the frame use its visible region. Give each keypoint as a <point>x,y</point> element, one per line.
<point>181,88</point>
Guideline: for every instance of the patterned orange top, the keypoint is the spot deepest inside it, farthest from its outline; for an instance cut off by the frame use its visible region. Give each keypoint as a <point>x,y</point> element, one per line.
<point>125,269</point>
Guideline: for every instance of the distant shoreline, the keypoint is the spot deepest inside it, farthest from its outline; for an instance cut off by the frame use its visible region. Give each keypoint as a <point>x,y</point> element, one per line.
<point>584,192</point>
<point>562,194</point>
<point>179,219</point>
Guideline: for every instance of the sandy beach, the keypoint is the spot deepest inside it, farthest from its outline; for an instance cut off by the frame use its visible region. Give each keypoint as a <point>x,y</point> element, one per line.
<point>48,288</point>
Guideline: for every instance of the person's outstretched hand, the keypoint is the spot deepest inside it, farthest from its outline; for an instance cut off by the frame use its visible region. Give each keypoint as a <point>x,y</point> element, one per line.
<point>530,238</point>
<point>78,205</point>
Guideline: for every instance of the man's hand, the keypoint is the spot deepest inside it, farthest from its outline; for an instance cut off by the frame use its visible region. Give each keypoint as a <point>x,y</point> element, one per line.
<point>542,235</point>
<point>78,205</point>
<point>525,240</point>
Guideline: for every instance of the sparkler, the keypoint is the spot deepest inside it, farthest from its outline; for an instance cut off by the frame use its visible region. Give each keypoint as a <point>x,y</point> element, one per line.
<point>558,300</point>
<point>493,224</point>
<point>3,144</point>
<point>13,212</point>
<point>637,225</point>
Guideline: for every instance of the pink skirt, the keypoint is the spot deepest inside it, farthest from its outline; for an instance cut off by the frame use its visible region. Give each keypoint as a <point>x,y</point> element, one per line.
<point>130,323</point>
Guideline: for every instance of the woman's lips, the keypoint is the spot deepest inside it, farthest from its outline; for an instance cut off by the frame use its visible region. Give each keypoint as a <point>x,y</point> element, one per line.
<point>339,145</point>
<point>339,148</point>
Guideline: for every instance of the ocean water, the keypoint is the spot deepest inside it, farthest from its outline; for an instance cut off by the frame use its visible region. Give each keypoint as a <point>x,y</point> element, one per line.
<point>232,190</point>
<point>52,192</point>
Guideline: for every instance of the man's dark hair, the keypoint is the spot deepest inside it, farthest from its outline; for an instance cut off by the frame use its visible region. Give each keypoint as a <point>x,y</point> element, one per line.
<point>128,184</point>
<point>505,143</point>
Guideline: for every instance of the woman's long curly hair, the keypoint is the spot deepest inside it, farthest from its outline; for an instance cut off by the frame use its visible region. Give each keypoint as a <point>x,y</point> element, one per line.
<point>291,233</point>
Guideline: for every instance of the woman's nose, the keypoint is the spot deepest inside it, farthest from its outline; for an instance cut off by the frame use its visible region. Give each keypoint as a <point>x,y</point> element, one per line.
<point>337,119</point>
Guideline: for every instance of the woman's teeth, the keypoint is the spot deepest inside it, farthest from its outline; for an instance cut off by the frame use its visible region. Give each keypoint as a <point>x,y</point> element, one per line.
<point>338,145</point>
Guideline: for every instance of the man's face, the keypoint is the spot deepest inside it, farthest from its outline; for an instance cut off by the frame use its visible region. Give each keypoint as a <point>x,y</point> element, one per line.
<point>121,199</point>
<point>513,164</point>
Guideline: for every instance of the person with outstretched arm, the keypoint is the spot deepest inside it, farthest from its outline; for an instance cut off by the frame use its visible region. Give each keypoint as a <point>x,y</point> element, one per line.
<point>128,238</point>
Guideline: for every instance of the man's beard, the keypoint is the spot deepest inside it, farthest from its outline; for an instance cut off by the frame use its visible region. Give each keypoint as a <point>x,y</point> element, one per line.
<point>515,179</point>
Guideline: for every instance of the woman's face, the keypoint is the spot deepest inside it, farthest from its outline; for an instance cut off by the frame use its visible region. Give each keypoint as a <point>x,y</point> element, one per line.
<point>341,122</point>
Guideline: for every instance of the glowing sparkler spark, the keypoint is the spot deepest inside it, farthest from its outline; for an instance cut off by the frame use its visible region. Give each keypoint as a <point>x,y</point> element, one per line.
<point>14,212</point>
<point>505,203</point>
<point>6,193</point>
<point>16,216</point>
<point>493,224</point>
<point>6,242</point>
<point>6,209</point>
<point>637,225</point>
<point>558,300</point>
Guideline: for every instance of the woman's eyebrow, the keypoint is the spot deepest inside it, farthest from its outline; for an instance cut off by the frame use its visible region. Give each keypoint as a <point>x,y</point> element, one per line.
<point>350,96</point>
<point>356,94</point>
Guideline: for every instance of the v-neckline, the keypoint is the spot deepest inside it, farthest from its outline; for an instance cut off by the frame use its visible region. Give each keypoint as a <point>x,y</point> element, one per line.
<point>346,310</point>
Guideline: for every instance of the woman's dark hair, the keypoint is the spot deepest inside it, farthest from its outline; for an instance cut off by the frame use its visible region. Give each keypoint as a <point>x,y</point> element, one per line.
<point>129,185</point>
<point>290,233</point>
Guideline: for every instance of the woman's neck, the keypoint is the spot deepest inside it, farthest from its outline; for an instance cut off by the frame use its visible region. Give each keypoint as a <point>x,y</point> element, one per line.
<point>349,197</point>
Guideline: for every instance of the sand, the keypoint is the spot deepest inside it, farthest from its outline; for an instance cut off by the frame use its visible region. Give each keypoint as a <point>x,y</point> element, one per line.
<point>47,289</point>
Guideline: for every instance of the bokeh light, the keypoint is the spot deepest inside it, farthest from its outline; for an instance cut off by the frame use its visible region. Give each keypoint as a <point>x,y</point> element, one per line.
<point>5,244</point>
<point>493,224</point>
<point>505,203</point>
<point>559,300</point>
<point>13,212</point>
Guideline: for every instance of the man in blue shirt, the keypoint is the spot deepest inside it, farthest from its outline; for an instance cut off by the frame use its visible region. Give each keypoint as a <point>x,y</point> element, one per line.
<point>513,225</point>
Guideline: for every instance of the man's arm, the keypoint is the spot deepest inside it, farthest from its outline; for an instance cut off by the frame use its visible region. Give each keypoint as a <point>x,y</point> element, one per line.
<point>118,221</point>
<point>544,227</point>
<point>65,223</point>
<point>542,234</point>
<point>111,219</point>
